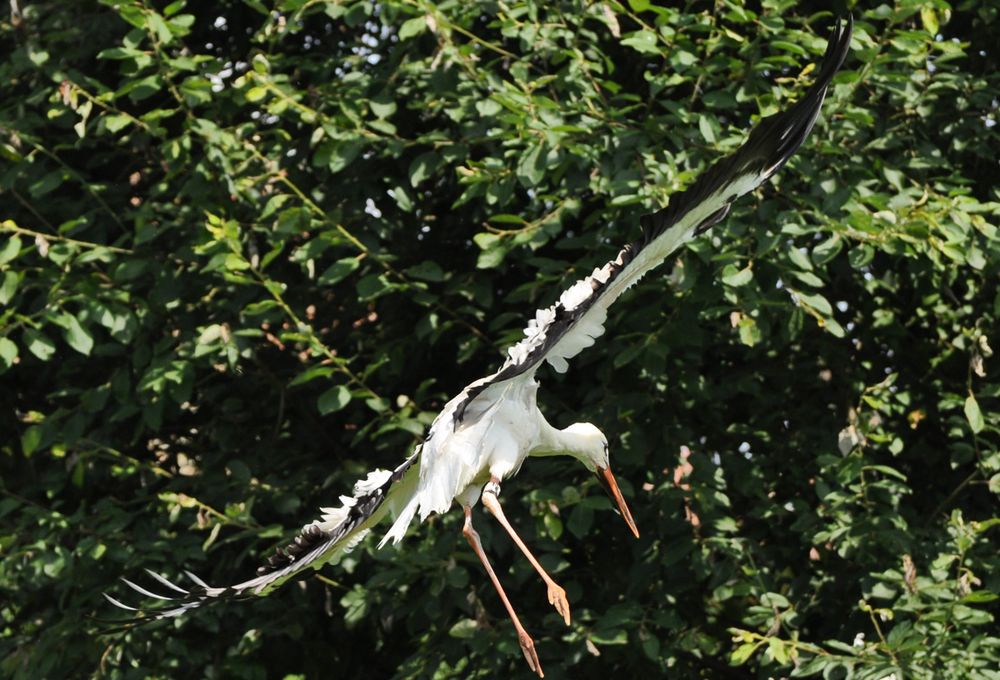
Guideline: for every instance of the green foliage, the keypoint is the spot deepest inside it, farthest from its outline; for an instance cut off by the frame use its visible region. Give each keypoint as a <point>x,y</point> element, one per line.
<point>248,249</point>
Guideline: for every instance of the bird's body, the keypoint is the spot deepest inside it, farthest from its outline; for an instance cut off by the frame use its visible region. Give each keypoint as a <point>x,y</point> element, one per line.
<point>499,430</point>
<point>493,440</point>
<point>485,433</point>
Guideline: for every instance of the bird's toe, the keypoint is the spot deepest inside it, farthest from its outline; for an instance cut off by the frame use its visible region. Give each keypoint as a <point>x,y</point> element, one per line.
<point>530,655</point>
<point>557,598</point>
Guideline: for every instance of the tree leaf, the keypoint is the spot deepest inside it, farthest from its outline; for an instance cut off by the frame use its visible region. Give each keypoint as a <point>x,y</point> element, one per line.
<point>827,250</point>
<point>642,41</point>
<point>256,94</point>
<point>800,259</point>
<point>311,374</point>
<point>929,19</point>
<point>974,415</point>
<point>159,26</point>
<point>531,166</point>
<point>412,27</point>
<point>8,352</point>
<point>749,331</point>
<point>779,652</point>
<point>464,629</point>
<point>30,440</point>
<point>706,128</point>
<point>39,344</point>
<point>337,155</point>
<point>427,270</point>
<point>338,271</point>
<point>383,106</point>
<point>8,286</point>
<point>742,653</point>
<point>817,302</point>
<point>731,276</point>
<point>75,335</point>
<point>10,249</point>
<point>334,399</point>
<point>994,486</point>
<point>423,166</point>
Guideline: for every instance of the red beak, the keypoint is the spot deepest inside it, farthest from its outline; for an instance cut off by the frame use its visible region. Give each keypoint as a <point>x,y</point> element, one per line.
<point>607,481</point>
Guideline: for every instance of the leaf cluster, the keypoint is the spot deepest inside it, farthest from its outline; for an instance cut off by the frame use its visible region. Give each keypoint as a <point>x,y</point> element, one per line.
<point>249,248</point>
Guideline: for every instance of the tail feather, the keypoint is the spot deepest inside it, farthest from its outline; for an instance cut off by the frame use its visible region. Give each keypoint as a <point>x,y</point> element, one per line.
<point>399,527</point>
<point>321,542</point>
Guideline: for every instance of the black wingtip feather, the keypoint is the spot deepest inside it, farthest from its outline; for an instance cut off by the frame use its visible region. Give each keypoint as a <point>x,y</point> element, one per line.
<point>770,145</point>
<point>801,116</point>
<point>312,544</point>
<point>776,138</point>
<point>173,605</point>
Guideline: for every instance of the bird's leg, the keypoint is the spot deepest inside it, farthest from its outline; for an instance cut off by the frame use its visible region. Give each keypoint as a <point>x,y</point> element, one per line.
<point>527,644</point>
<point>557,596</point>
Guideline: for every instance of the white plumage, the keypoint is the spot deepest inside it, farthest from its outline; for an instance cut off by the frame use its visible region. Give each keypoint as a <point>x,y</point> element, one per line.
<point>485,433</point>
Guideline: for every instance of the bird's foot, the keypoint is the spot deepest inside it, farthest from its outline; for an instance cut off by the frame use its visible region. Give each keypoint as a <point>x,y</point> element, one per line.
<point>530,655</point>
<point>557,598</point>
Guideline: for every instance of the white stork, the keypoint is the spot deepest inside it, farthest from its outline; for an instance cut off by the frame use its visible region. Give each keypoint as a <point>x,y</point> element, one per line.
<point>484,434</point>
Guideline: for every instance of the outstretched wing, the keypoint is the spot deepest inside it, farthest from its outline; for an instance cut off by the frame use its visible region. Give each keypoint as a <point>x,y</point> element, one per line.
<point>566,328</point>
<point>317,544</point>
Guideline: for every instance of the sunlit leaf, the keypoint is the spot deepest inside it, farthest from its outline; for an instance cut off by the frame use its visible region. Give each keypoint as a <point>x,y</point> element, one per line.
<point>334,399</point>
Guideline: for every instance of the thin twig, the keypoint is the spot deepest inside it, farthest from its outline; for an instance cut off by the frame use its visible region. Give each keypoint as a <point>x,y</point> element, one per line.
<point>9,226</point>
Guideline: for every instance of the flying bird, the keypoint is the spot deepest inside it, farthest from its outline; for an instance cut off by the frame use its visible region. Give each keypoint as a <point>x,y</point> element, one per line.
<point>484,435</point>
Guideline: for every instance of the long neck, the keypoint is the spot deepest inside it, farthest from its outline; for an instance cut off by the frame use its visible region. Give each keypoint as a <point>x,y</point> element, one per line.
<point>555,442</point>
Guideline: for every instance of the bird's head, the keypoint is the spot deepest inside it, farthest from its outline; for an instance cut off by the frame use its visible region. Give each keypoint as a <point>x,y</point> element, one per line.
<point>591,449</point>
